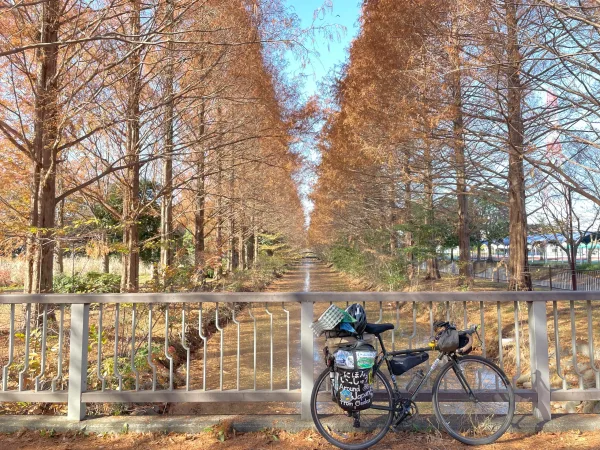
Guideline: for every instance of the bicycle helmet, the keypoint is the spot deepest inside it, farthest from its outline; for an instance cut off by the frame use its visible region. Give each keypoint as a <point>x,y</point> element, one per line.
<point>358,313</point>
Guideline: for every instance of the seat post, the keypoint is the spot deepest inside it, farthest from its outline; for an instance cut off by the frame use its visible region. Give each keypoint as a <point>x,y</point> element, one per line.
<point>381,342</point>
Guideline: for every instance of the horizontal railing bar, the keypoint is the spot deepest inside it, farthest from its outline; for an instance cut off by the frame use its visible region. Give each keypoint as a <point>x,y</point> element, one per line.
<point>32,396</point>
<point>301,297</point>
<point>193,396</point>
<point>567,395</point>
<point>251,396</point>
<point>521,396</point>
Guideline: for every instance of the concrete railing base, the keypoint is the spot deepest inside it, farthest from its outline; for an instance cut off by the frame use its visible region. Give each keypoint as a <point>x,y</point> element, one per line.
<point>526,424</point>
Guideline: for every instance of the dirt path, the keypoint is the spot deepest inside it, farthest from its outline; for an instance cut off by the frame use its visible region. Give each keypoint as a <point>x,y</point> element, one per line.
<point>304,441</point>
<point>311,276</point>
<point>255,330</point>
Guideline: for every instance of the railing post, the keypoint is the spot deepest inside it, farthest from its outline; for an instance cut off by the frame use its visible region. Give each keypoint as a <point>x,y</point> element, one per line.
<point>540,370</point>
<point>80,317</point>
<point>307,359</point>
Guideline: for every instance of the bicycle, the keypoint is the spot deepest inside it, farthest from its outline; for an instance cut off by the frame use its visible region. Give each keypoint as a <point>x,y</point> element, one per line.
<point>472,397</point>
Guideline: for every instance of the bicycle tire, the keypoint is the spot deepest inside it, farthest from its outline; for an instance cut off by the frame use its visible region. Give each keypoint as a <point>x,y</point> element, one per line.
<point>345,446</point>
<point>495,405</point>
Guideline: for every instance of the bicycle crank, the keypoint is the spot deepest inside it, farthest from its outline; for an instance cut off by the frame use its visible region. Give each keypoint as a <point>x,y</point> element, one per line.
<point>405,411</point>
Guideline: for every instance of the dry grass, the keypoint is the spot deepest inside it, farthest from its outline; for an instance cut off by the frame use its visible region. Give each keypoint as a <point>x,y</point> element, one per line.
<point>79,265</point>
<point>212,439</point>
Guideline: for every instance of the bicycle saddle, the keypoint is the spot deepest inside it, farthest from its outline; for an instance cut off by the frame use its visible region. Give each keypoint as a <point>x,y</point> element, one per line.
<point>378,328</point>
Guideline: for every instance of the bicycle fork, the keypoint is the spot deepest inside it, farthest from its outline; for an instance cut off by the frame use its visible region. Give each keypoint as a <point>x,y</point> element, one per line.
<point>463,381</point>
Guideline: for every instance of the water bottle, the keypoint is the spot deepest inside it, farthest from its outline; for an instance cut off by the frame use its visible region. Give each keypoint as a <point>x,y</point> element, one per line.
<point>415,381</point>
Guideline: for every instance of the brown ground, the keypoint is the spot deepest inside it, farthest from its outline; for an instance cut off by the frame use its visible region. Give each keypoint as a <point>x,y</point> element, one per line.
<point>264,440</point>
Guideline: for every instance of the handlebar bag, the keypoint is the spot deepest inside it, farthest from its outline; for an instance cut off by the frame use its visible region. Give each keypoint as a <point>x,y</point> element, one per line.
<point>448,340</point>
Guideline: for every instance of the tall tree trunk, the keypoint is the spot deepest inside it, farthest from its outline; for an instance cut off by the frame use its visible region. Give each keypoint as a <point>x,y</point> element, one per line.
<point>131,194</point>
<point>255,246</point>
<point>166,210</point>
<point>490,257</point>
<point>250,257</point>
<point>231,250</point>
<point>220,191</point>
<point>31,244</point>
<point>433,271</point>
<point>241,245</point>
<point>199,217</point>
<point>246,256</point>
<point>40,245</point>
<point>518,264</point>
<point>408,235</point>
<point>106,253</point>
<point>60,266</point>
<point>219,230</point>
<point>459,157</point>
<point>392,219</point>
<point>572,245</point>
<point>241,239</point>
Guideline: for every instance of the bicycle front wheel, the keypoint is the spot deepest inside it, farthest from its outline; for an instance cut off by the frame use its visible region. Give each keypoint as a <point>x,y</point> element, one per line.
<point>342,429</point>
<point>473,400</point>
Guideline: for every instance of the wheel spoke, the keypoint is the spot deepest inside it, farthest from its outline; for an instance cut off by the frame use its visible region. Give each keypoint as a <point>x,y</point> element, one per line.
<point>473,400</point>
<point>339,427</point>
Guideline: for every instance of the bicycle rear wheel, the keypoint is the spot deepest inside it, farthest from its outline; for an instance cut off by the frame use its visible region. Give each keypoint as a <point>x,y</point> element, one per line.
<point>480,418</point>
<point>334,424</point>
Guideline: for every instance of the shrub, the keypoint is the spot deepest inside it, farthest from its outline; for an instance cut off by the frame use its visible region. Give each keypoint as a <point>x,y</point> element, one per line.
<point>588,266</point>
<point>349,260</point>
<point>263,272</point>
<point>5,278</point>
<point>385,271</point>
<point>92,282</point>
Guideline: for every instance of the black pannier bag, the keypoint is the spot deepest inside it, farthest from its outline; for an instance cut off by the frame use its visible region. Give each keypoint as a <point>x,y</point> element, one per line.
<point>448,340</point>
<point>354,376</point>
<point>403,363</point>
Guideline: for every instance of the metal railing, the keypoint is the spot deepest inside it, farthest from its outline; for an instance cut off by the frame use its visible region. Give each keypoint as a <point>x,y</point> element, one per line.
<point>545,277</point>
<point>195,347</point>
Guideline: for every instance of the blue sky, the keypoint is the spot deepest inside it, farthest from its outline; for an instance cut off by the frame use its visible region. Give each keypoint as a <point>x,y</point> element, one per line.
<point>330,54</point>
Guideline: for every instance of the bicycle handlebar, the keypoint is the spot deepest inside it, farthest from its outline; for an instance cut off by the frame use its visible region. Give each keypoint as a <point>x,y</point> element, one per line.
<point>442,324</point>
<point>467,348</point>
<point>472,330</point>
<point>469,332</point>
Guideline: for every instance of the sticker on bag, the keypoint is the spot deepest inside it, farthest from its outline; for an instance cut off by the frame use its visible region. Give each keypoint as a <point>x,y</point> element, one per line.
<point>344,359</point>
<point>365,360</point>
<point>346,396</point>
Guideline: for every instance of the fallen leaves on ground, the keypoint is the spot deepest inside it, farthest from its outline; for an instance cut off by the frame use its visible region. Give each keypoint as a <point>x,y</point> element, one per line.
<point>307,440</point>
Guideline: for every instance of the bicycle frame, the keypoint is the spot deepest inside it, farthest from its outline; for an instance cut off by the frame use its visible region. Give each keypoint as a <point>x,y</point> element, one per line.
<point>387,356</point>
<point>400,406</point>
